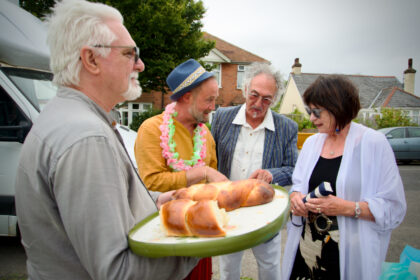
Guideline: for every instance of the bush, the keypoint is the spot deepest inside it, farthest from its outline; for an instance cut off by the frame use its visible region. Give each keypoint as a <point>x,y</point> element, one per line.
<point>140,118</point>
<point>208,125</point>
<point>388,117</point>
<point>301,120</point>
<point>392,117</point>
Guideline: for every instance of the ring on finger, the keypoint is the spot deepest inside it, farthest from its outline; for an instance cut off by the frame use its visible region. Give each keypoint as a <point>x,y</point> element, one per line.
<point>319,210</point>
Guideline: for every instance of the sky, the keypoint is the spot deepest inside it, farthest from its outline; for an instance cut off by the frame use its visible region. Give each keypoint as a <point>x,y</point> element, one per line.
<point>360,37</point>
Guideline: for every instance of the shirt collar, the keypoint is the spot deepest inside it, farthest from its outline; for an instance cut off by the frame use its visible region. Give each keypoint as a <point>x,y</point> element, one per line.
<point>75,94</point>
<point>268,122</point>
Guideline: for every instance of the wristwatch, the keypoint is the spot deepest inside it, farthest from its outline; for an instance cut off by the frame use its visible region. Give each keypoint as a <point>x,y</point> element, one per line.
<point>357,211</point>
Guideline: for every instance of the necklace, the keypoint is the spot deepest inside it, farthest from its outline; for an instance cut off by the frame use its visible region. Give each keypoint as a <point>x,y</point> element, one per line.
<point>168,144</point>
<point>330,147</point>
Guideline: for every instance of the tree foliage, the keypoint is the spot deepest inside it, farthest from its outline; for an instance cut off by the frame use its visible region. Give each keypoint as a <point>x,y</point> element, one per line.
<point>38,8</point>
<point>167,32</point>
<point>392,117</point>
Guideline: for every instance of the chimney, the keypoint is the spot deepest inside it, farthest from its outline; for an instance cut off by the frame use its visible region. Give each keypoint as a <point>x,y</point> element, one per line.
<point>409,76</point>
<point>297,67</point>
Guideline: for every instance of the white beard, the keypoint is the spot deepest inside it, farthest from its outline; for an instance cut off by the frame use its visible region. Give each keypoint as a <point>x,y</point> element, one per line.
<point>133,92</point>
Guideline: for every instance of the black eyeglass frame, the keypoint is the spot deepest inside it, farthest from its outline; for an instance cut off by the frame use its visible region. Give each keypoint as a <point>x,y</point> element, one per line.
<point>135,49</point>
<point>315,111</point>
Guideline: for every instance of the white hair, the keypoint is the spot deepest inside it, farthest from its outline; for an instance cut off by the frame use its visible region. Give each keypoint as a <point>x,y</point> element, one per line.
<point>257,68</point>
<point>72,25</point>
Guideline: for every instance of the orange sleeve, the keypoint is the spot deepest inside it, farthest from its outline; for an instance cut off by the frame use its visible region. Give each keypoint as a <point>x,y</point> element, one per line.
<point>154,172</point>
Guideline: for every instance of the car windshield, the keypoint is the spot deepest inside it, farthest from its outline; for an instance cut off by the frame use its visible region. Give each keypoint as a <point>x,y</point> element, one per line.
<point>37,86</point>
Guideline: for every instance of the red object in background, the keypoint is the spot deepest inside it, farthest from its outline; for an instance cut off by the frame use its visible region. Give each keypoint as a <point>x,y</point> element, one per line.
<point>202,271</point>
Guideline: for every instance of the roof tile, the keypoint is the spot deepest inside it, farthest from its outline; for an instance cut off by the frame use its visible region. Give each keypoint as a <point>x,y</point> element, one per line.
<point>234,53</point>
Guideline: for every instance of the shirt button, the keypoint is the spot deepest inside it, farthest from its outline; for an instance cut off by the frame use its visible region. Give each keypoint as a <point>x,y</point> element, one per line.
<point>250,134</point>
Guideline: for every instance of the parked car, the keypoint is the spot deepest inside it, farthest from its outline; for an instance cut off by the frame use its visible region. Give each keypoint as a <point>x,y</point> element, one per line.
<point>25,88</point>
<point>405,142</point>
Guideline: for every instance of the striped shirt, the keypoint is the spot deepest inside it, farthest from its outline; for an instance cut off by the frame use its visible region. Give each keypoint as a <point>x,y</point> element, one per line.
<point>280,150</point>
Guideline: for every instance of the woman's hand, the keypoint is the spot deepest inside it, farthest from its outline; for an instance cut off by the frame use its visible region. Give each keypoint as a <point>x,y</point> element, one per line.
<point>331,206</point>
<point>297,207</point>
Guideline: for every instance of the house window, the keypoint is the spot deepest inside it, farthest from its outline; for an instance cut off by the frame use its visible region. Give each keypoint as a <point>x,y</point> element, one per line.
<point>217,72</point>
<point>147,106</point>
<point>240,76</point>
<point>131,110</point>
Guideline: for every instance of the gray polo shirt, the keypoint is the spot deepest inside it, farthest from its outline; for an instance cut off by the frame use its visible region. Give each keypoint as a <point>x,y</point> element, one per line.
<point>78,195</point>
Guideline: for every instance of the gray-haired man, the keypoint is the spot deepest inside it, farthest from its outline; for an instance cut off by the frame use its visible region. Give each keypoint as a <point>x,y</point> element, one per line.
<point>254,142</point>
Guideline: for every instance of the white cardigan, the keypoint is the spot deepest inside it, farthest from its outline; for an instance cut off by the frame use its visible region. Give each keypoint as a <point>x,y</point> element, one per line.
<point>368,172</point>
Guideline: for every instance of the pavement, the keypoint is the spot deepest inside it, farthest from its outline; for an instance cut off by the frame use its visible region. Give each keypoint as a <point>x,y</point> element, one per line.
<point>249,269</point>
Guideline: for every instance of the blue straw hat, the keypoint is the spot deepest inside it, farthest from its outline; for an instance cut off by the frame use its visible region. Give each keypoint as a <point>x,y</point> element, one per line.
<point>185,77</point>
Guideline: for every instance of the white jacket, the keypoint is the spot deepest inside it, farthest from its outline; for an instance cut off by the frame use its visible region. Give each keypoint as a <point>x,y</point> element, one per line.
<point>368,172</point>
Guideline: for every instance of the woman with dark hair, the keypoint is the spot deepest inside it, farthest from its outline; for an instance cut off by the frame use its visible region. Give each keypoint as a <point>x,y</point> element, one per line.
<point>358,198</point>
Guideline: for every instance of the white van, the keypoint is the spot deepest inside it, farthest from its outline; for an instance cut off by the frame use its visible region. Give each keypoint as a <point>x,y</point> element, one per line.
<point>25,88</point>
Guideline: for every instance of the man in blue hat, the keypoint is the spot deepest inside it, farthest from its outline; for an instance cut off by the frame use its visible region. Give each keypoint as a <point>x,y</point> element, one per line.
<point>175,149</point>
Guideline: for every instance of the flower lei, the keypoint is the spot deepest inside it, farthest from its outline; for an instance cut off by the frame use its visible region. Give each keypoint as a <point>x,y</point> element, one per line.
<point>168,144</point>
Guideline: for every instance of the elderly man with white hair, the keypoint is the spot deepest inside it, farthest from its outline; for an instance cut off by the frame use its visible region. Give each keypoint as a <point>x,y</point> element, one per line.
<point>77,192</point>
<point>252,141</point>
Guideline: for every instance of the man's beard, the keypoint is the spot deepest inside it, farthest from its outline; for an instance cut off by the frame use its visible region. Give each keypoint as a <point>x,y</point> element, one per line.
<point>255,114</point>
<point>133,92</point>
<point>198,116</point>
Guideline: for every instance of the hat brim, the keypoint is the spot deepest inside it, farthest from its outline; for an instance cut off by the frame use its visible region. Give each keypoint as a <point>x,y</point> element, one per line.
<point>202,78</point>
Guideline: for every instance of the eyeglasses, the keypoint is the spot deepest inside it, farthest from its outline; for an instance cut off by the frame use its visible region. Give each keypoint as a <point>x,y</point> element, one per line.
<point>135,53</point>
<point>253,96</point>
<point>315,111</point>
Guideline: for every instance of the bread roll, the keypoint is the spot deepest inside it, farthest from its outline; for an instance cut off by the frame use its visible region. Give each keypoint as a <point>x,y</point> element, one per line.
<point>184,217</point>
<point>230,195</point>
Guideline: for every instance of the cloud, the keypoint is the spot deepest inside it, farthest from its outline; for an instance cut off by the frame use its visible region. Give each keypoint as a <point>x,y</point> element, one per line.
<point>374,37</point>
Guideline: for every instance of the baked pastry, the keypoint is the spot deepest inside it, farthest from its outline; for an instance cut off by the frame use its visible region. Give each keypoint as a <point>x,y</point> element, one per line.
<point>230,195</point>
<point>184,217</point>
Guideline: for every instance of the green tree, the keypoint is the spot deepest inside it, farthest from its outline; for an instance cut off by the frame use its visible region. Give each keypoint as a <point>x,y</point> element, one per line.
<point>393,117</point>
<point>38,8</point>
<point>167,32</point>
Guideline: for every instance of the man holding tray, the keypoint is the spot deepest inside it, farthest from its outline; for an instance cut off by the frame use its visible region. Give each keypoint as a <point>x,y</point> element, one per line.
<point>255,142</point>
<point>175,149</point>
<point>77,192</point>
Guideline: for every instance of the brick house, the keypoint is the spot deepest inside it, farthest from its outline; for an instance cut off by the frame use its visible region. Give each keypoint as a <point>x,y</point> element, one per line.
<point>230,61</point>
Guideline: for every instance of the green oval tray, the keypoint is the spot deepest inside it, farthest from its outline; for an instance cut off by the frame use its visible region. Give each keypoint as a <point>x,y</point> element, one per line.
<point>209,246</point>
